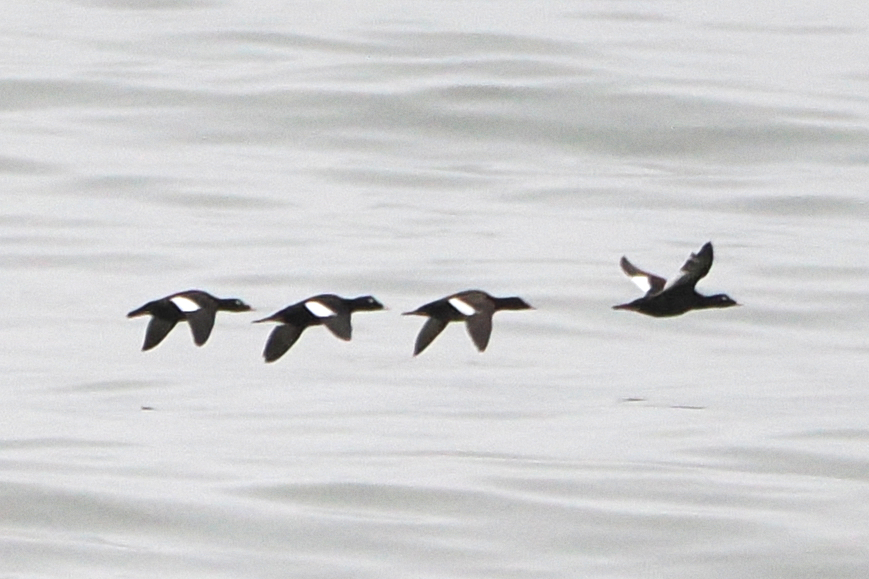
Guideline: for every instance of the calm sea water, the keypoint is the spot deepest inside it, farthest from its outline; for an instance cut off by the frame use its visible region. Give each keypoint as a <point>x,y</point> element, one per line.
<point>272,150</point>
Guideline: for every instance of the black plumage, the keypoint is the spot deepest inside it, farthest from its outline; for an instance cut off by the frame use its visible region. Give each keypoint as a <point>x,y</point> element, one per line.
<point>662,300</point>
<point>328,310</point>
<point>196,307</point>
<point>474,307</point>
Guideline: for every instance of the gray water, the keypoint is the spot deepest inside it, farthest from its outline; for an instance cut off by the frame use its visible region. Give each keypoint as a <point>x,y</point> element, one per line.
<point>272,150</point>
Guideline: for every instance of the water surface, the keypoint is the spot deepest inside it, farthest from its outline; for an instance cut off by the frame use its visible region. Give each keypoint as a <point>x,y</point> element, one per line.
<point>410,150</point>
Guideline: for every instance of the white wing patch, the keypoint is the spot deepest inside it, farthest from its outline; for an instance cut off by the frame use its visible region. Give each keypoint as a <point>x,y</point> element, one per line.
<point>463,307</point>
<point>320,310</point>
<point>641,282</point>
<point>186,305</point>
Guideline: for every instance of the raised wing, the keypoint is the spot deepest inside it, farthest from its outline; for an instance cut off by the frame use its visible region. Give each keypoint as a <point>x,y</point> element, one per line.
<point>696,267</point>
<point>649,283</point>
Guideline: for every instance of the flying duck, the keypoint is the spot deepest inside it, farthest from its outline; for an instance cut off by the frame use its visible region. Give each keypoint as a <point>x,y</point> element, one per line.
<point>664,300</point>
<point>326,309</point>
<point>196,307</point>
<point>474,307</point>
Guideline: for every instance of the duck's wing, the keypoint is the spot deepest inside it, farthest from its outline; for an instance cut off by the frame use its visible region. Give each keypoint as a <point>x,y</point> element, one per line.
<point>328,310</point>
<point>191,301</point>
<point>340,326</point>
<point>201,323</point>
<point>649,283</point>
<point>321,307</point>
<point>467,303</point>
<point>141,311</point>
<point>479,327</point>
<point>158,328</point>
<point>429,331</point>
<point>280,340</point>
<point>696,267</point>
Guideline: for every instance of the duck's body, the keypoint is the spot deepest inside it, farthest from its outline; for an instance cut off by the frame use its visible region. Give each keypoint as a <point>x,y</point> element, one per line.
<point>662,300</point>
<point>326,309</point>
<point>196,307</point>
<point>474,307</point>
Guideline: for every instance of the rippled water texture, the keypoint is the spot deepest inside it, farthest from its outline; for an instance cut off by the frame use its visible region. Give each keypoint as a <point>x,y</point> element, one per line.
<point>272,151</point>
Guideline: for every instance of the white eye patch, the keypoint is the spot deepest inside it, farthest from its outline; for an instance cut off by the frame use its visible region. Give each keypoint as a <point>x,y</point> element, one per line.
<point>464,308</point>
<point>319,310</point>
<point>186,305</point>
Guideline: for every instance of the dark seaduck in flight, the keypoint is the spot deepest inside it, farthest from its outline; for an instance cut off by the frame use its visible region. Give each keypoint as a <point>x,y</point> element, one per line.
<point>326,309</point>
<point>196,307</point>
<point>663,299</point>
<point>474,307</point>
